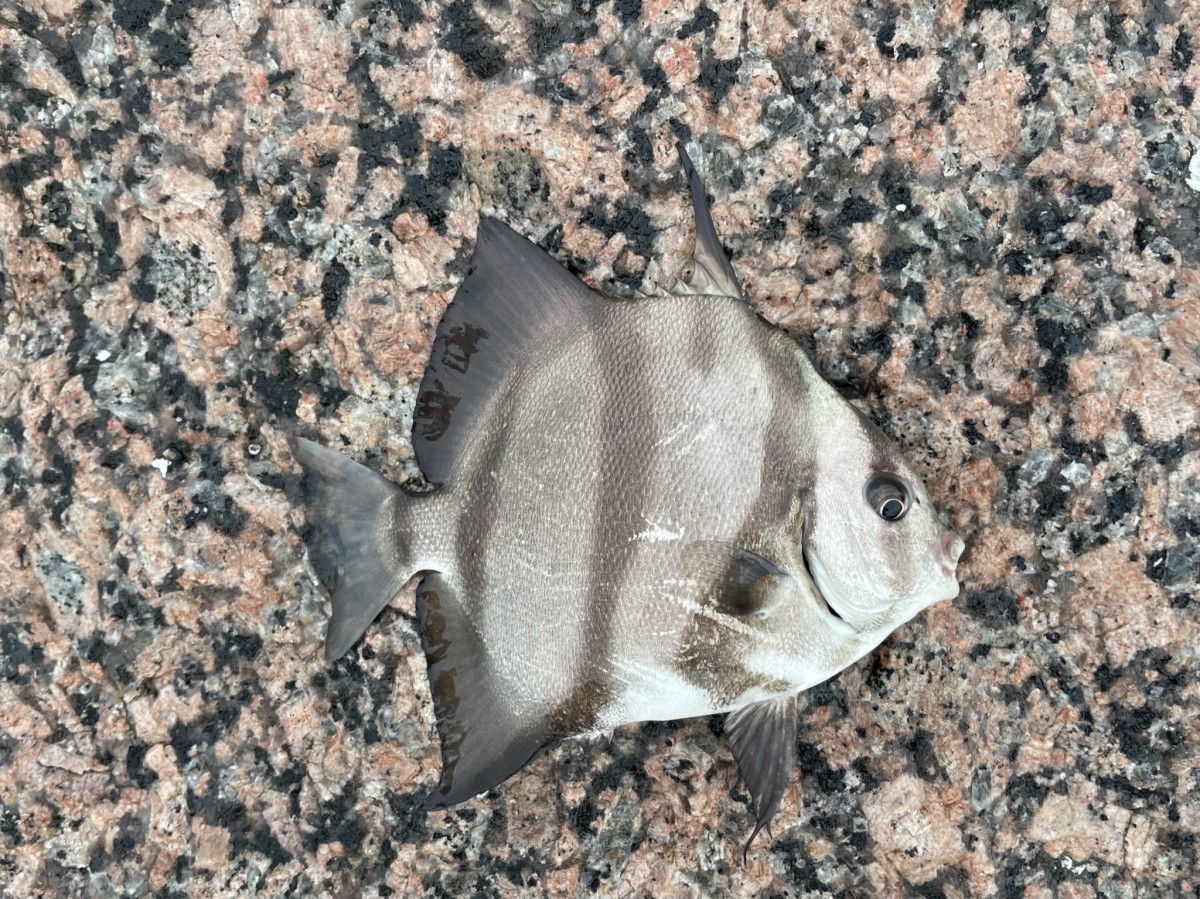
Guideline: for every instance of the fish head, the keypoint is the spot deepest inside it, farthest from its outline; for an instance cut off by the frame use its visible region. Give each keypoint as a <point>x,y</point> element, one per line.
<point>872,539</point>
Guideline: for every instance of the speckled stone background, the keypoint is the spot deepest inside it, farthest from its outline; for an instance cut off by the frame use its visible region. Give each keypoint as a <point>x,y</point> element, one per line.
<point>223,223</point>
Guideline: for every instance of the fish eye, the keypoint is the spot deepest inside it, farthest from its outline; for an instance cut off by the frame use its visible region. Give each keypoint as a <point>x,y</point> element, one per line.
<point>889,495</point>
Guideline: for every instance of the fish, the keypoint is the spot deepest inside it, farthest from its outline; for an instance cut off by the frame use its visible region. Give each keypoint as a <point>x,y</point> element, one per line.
<point>638,510</point>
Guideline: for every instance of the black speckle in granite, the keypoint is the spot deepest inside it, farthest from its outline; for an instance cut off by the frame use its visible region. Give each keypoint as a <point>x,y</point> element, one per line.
<point>135,765</point>
<point>12,426</point>
<point>189,675</point>
<point>1122,497</point>
<point>143,289</point>
<point>169,51</point>
<point>16,482</point>
<point>813,765</point>
<point>18,661</point>
<point>628,10</point>
<point>897,259</point>
<point>286,211</point>
<point>216,508</point>
<point>920,747</point>
<point>66,879</point>
<point>970,430</point>
<point>1045,221</point>
<point>279,394</point>
<point>783,199</point>
<point>230,213</point>
<point>996,607</point>
<point>231,814</point>
<point>10,825</point>
<point>445,164</point>
<point>136,102</point>
<point>1132,727</point>
<point>185,737</point>
<point>1170,452</point>
<point>227,175</point>
<point>703,20</point>
<point>626,219</point>
<point>641,148</point>
<point>1092,194</point>
<point>1176,567</point>
<point>1025,794</point>
<point>231,648</point>
<point>469,39</point>
<point>24,171</point>
<point>135,16</point>
<point>1062,340</point>
<point>427,197</point>
<point>337,822</point>
<point>407,12</point>
<point>549,36</point>
<point>130,833</point>
<point>829,695</point>
<point>656,79</point>
<point>108,261</point>
<point>800,869</point>
<point>862,768</point>
<point>1181,51</point>
<point>717,76</point>
<point>333,288</point>
<point>1135,798</point>
<point>878,343</point>
<point>404,136</point>
<point>85,708</point>
<point>1016,262</point>
<point>1184,515</point>
<point>856,209</point>
<point>332,393</point>
<point>886,33</point>
<point>60,477</point>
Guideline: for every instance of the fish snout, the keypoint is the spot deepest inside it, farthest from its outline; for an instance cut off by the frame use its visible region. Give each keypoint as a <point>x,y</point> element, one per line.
<point>946,550</point>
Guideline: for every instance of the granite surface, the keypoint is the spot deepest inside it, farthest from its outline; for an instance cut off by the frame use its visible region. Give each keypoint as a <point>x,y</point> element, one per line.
<point>223,223</point>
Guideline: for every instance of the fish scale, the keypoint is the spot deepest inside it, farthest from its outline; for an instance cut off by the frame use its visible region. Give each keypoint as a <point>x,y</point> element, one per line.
<point>642,510</point>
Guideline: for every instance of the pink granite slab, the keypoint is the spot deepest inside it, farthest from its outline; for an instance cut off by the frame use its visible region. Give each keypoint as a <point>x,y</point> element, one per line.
<point>221,224</point>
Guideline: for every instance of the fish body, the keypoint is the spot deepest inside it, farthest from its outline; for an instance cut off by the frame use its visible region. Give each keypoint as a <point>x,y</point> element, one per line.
<point>644,509</point>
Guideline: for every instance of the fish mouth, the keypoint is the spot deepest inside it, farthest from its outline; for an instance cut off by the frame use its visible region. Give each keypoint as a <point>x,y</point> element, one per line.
<point>816,574</point>
<point>946,551</point>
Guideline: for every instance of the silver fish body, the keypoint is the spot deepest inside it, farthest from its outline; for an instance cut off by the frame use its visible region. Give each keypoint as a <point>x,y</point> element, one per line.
<point>645,510</point>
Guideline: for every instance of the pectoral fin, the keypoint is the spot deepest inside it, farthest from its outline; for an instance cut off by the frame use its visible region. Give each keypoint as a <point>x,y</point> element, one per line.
<point>763,738</point>
<point>740,582</point>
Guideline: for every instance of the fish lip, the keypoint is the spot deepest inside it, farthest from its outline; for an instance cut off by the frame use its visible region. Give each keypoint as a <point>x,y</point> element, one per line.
<point>947,550</point>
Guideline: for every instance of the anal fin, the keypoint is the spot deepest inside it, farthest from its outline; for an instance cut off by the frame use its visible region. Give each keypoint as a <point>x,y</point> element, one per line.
<point>763,738</point>
<point>485,740</point>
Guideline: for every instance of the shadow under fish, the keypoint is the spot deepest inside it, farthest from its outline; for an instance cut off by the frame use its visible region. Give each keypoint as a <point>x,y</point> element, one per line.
<point>644,510</point>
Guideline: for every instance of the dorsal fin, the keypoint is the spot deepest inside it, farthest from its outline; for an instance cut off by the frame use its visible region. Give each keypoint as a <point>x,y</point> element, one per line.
<point>515,295</point>
<point>711,273</point>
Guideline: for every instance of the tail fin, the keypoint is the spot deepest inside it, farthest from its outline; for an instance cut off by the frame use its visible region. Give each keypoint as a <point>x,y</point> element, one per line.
<point>358,535</point>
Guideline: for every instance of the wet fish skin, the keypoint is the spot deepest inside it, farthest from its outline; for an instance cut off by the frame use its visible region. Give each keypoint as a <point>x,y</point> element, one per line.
<point>645,510</point>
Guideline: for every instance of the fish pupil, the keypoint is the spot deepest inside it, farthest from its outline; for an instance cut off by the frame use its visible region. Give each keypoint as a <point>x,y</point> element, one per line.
<point>892,509</point>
